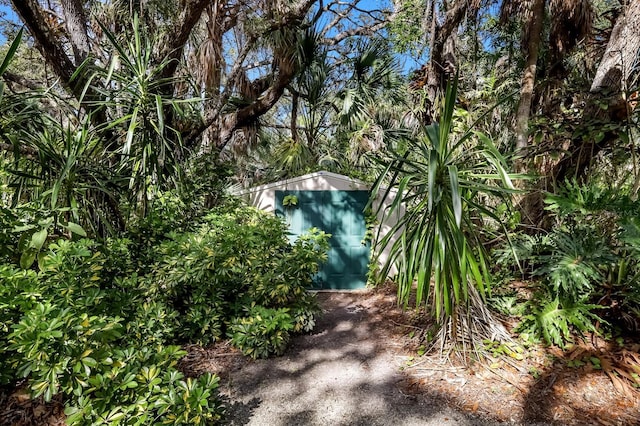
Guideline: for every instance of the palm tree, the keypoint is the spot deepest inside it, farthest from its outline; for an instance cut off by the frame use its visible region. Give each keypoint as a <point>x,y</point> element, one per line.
<point>330,116</point>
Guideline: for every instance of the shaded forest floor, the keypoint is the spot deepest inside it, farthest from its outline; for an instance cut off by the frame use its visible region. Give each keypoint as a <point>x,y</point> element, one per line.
<point>582,385</point>
<point>364,333</point>
<point>548,386</point>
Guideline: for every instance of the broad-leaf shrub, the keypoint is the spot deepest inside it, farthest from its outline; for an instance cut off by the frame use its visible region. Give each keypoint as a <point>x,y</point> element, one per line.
<point>262,332</point>
<point>142,386</point>
<point>238,258</point>
<point>60,331</point>
<point>88,321</point>
<point>587,268</point>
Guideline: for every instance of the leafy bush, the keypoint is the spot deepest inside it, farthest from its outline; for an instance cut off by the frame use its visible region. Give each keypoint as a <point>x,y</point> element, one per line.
<point>263,332</point>
<point>142,383</point>
<point>94,324</point>
<point>60,331</point>
<point>555,321</point>
<point>587,267</point>
<point>235,259</point>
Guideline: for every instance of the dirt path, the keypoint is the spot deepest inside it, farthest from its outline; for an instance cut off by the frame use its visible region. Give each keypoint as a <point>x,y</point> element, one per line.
<point>345,373</point>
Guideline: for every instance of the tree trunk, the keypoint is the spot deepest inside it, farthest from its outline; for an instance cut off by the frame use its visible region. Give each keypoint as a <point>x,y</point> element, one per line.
<point>48,43</point>
<point>441,62</point>
<point>618,60</point>
<point>611,86</point>
<point>76,22</point>
<point>529,79</point>
<point>530,205</point>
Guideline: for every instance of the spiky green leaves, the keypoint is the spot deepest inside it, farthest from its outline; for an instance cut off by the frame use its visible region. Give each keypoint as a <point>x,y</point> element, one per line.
<point>437,244</point>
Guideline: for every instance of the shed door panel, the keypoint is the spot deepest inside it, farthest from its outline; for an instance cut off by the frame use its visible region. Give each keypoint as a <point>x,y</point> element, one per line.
<point>341,214</point>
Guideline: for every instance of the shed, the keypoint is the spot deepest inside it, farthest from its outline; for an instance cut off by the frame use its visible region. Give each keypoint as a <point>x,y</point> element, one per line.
<point>336,204</point>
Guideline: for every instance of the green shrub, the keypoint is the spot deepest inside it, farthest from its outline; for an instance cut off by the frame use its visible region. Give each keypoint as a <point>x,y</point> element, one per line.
<point>19,292</point>
<point>587,267</point>
<point>95,325</point>
<point>143,386</point>
<point>237,258</point>
<point>56,344</point>
<point>8,240</point>
<point>556,321</point>
<point>263,332</point>
<point>304,313</point>
<point>60,331</point>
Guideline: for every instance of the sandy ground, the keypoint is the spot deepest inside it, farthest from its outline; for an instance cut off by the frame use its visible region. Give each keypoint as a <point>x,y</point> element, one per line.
<point>344,373</point>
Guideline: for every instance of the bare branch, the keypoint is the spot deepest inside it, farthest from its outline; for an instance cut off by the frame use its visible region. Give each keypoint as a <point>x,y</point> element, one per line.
<point>27,152</point>
<point>22,81</point>
<point>361,31</point>
<point>380,18</point>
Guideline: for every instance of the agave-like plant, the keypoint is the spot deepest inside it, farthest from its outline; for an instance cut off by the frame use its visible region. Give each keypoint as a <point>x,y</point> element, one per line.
<point>139,141</point>
<point>443,182</point>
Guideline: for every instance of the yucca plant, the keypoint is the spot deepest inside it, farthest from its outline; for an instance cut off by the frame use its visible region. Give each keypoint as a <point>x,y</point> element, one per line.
<point>139,141</point>
<point>444,182</point>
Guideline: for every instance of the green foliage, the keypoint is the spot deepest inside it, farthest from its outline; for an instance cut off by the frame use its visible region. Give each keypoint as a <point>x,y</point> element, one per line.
<point>263,332</point>
<point>407,29</point>
<point>67,178</point>
<point>142,386</point>
<point>439,180</point>
<point>574,263</point>
<point>96,326</point>
<point>556,322</point>
<point>587,266</point>
<point>147,148</point>
<point>236,258</point>
<point>290,201</point>
<point>499,349</point>
<point>63,332</point>
<point>9,220</point>
<point>4,64</point>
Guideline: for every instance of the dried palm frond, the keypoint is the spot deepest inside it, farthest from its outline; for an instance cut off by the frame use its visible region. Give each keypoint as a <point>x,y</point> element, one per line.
<point>465,333</point>
<point>572,22</point>
<point>622,366</point>
<point>369,138</point>
<point>515,10</point>
<point>211,59</point>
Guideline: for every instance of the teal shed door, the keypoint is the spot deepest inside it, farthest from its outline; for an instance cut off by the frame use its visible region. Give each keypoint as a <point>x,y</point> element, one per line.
<point>341,214</point>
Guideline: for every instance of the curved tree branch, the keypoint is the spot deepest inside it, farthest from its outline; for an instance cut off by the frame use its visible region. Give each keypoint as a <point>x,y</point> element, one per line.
<point>172,45</point>
<point>49,43</point>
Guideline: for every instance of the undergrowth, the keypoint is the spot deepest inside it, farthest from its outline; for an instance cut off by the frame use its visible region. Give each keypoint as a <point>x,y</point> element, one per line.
<point>583,275</point>
<point>101,322</point>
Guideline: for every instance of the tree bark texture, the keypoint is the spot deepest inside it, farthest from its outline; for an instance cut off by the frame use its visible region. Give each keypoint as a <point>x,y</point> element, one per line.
<point>437,60</point>
<point>49,43</point>
<point>619,57</point>
<point>76,23</point>
<point>610,85</point>
<point>442,60</point>
<point>529,76</point>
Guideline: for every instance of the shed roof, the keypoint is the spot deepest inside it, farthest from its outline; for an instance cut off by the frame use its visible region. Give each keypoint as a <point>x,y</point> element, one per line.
<point>321,175</point>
